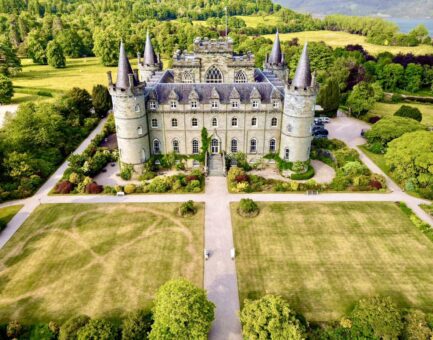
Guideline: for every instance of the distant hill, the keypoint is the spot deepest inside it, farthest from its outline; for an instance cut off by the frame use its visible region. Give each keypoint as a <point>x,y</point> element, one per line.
<point>395,8</point>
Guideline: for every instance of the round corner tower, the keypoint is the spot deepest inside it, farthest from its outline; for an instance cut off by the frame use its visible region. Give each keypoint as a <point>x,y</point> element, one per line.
<point>130,117</point>
<point>151,62</point>
<point>298,114</point>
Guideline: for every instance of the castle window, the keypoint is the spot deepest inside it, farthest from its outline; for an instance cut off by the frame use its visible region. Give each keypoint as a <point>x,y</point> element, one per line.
<point>275,104</point>
<point>214,122</point>
<point>187,77</point>
<point>235,104</point>
<point>154,122</point>
<point>194,122</point>
<point>174,122</point>
<point>140,131</point>
<point>213,75</point>
<point>234,122</point>
<point>173,104</point>
<point>193,105</point>
<point>240,77</point>
<point>286,153</point>
<point>137,108</point>
<point>253,145</point>
<point>274,121</point>
<point>215,104</point>
<point>289,128</point>
<point>156,147</point>
<point>175,144</point>
<point>195,146</point>
<point>234,145</point>
<point>256,104</point>
<point>152,105</point>
<point>272,145</point>
<point>254,121</point>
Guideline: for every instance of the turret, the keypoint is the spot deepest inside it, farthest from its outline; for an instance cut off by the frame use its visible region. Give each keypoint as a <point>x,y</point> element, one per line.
<point>276,62</point>
<point>151,62</point>
<point>298,115</point>
<point>129,110</point>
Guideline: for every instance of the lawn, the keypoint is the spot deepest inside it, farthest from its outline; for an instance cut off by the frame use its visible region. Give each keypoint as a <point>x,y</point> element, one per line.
<point>388,109</point>
<point>96,259</point>
<point>341,39</point>
<point>255,20</point>
<point>325,256</point>
<point>7,213</point>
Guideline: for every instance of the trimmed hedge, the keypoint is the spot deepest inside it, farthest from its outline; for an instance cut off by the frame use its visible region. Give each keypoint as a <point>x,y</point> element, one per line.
<point>303,176</point>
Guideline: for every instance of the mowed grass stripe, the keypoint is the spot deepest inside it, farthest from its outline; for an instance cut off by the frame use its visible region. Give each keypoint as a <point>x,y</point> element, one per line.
<point>325,256</point>
<point>102,260</point>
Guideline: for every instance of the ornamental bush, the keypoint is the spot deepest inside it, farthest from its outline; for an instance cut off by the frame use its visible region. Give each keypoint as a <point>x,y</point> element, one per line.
<point>187,209</point>
<point>137,325</point>
<point>71,327</point>
<point>129,188</point>
<point>64,188</point>
<point>409,112</point>
<point>94,188</point>
<point>248,208</point>
<point>14,329</point>
<point>98,330</point>
<point>6,90</point>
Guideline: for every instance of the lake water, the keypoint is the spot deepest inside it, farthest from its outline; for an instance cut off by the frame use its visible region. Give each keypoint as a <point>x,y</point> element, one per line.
<point>406,24</point>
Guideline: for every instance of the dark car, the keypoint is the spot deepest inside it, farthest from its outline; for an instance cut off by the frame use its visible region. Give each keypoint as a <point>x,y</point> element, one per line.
<point>322,132</point>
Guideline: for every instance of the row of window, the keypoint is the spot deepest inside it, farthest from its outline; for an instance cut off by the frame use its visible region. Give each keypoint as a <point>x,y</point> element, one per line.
<point>215,146</point>
<point>214,122</point>
<point>235,104</point>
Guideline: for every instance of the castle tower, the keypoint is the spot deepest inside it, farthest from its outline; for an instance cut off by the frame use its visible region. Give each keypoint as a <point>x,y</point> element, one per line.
<point>129,109</point>
<point>151,63</point>
<point>298,114</point>
<point>275,62</point>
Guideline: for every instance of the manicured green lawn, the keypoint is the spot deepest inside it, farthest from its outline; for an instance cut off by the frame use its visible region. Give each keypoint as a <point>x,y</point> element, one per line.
<point>96,259</point>
<point>325,256</point>
<point>7,213</point>
<point>255,20</point>
<point>388,109</point>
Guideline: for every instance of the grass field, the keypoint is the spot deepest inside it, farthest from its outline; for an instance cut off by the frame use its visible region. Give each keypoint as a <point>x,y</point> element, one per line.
<point>96,259</point>
<point>388,109</point>
<point>341,39</point>
<point>325,256</point>
<point>7,213</point>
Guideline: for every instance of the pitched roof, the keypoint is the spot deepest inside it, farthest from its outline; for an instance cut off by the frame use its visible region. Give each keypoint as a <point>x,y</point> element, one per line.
<point>255,94</point>
<point>124,69</point>
<point>149,53</point>
<point>276,54</point>
<point>302,77</point>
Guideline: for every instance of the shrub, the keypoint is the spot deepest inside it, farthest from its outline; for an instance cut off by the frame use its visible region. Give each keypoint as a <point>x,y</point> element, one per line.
<point>241,178</point>
<point>160,184</point>
<point>97,330</point>
<point>355,168</point>
<point>344,155</point>
<point>248,208</point>
<point>409,112</point>
<point>303,176</point>
<point>64,188</point>
<point>74,178</point>
<point>14,329</point>
<point>242,187</point>
<point>147,175</point>
<point>415,326</point>
<point>234,172</point>
<point>137,325</point>
<point>193,185</point>
<point>94,188</point>
<point>397,98</point>
<point>126,173</point>
<point>129,188</point>
<point>376,148</point>
<point>187,209</point>
<point>71,327</point>
<point>41,331</point>
<point>109,190</point>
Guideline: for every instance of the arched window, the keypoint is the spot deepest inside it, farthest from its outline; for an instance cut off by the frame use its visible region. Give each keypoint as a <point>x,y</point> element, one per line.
<point>174,122</point>
<point>254,121</point>
<point>240,77</point>
<point>140,131</point>
<point>175,144</point>
<point>272,145</point>
<point>253,145</point>
<point>234,121</point>
<point>289,128</point>
<point>214,122</point>
<point>195,146</point>
<point>187,77</point>
<point>286,153</point>
<point>274,121</point>
<point>194,122</point>
<point>213,75</point>
<point>234,145</point>
<point>156,147</point>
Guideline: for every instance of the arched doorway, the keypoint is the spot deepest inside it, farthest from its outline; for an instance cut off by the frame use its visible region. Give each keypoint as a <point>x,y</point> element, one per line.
<point>214,146</point>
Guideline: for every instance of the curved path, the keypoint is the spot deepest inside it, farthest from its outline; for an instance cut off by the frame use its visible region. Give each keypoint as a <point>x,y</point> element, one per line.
<point>220,272</point>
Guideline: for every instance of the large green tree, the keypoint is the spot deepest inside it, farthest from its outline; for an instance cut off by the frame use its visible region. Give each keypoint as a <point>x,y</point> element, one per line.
<point>182,311</point>
<point>329,97</point>
<point>55,55</point>
<point>37,42</point>
<point>106,46</point>
<point>361,99</point>
<point>101,100</point>
<point>270,318</point>
<point>413,77</point>
<point>9,61</point>
<point>6,90</point>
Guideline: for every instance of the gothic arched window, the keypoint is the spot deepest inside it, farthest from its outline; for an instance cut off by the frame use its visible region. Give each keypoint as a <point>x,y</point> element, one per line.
<point>156,147</point>
<point>272,145</point>
<point>253,145</point>
<point>213,75</point>
<point>240,77</point>
<point>234,145</point>
<point>187,77</point>
<point>175,144</point>
<point>274,121</point>
<point>214,122</point>
<point>195,146</point>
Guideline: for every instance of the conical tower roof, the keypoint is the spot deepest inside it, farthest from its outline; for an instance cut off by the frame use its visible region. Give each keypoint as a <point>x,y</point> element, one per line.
<point>149,53</point>
<point>124,69</point>
<point>276,54</point>
<point>302,77</point>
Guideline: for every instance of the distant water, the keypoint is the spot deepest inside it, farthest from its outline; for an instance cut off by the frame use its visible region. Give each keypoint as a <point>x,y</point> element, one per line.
<point>407,24</point>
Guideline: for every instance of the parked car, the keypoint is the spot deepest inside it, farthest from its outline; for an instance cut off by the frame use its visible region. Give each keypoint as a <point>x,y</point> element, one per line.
<point>322,120</point>
<point>323,132</point>
<point>318,121</point>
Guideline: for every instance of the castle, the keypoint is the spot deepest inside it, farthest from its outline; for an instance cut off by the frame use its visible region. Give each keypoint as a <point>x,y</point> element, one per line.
<point>244,109</point>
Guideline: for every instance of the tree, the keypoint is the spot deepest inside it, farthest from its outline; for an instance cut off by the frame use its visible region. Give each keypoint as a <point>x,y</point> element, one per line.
<point>361,99</point>
<point>9,61</point>
<point>409,112</point>
<point>97,330</point>
<point>71,42</point>
<point>410,158</point>
<point>76,105</point>
<point>137,325</point>
<point>329,97</point>
<point>270,318</point>
<point>6,90</point>
<point>415,326</point>
<point>391,76</point>
<point>37,43</point>
<point>101,100</point>
<point>71,327</point>
<point>106,46</point>
<point>55,55</point>
<point>413,77</point>
<point>181,311</point>
<point>376,317</point>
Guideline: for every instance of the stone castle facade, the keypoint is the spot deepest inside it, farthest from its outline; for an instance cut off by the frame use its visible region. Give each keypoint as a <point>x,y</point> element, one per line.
<point>244,109</point>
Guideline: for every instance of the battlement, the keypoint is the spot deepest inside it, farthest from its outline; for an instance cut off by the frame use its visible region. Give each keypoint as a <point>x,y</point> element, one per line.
<point>206,45</point>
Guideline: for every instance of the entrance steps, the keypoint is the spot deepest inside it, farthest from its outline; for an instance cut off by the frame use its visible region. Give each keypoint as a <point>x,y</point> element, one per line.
<point>216,165</point>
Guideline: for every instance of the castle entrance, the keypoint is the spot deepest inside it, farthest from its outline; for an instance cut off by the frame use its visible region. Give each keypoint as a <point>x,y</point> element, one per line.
<point>214,147</point>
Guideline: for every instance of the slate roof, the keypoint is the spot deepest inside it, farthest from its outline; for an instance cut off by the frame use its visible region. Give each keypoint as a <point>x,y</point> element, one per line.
<point>124,70</point>
<point>302,77</point>
<point>276,56</point>
<point>149,53</point>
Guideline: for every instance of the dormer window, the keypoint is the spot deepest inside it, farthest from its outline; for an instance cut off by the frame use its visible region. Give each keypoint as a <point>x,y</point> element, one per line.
<point>193,104</point>
<point>235,104</point>
<point>152,105</point>
<point>173,104</point>
<point>215,104</point>
<point>275,104</point>
<point>256,104</point>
